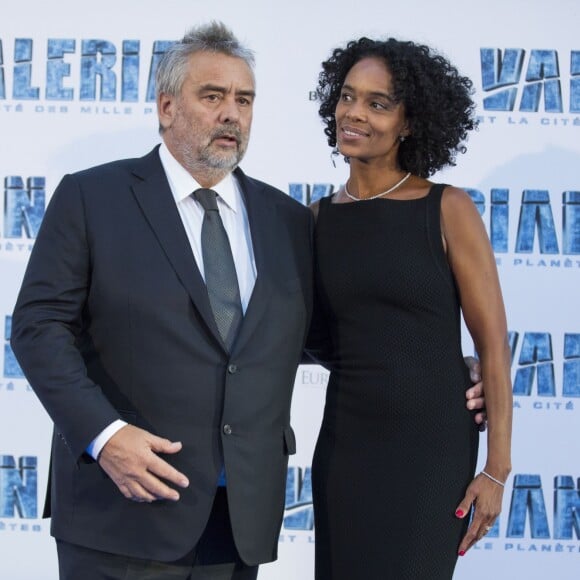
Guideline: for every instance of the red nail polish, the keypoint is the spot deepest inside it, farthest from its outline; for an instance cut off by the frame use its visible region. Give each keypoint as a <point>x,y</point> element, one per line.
<point>459,514</point>
<point>462,552</point>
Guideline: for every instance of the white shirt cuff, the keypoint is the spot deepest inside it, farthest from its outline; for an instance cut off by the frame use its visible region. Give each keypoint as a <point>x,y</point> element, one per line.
<point>101,439</point>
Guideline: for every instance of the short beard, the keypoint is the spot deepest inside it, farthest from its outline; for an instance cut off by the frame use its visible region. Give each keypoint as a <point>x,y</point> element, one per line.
<point>215,165</point>
<point>212,160</point>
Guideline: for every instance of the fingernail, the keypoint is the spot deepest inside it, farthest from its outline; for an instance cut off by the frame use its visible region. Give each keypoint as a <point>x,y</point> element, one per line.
<point>462,552</point>
<point>459,514</point>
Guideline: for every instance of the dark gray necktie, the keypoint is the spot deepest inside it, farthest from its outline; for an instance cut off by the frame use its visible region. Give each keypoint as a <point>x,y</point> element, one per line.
<point>220,272</point>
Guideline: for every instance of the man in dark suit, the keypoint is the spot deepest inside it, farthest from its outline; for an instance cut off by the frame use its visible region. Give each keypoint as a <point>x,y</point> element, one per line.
<point>169,387</point>
<point>116,332</point>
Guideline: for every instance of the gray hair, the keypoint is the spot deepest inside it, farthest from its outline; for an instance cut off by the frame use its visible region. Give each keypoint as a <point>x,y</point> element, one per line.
<point>213,37</point>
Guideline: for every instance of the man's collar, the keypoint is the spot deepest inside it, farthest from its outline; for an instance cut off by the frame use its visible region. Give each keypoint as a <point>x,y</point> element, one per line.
<point>183,184</point>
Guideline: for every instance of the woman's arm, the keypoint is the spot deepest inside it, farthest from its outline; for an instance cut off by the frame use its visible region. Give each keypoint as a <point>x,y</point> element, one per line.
<point>473,265</point>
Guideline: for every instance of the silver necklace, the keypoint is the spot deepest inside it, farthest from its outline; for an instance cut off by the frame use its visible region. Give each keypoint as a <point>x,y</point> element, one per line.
<point>398,184</point>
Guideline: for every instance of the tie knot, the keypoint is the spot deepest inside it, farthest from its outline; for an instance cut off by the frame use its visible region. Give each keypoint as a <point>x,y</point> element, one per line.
<point>207,198</point>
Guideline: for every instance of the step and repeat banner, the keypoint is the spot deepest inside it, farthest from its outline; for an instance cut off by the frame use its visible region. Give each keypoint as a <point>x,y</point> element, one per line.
<point>77,89</point>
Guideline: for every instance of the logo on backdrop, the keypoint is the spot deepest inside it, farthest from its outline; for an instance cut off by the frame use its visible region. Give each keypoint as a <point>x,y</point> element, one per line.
<point>298,523</point>
<point>11,369</point>
<point>312,376</point>
<point>536,239</point>
<point>91,75</point>
<point>12,379</point>
<point>529,85</point>
<point>24,206</point>
<point>534,381</point>
<point>530,526</point>
<point>19,494</point>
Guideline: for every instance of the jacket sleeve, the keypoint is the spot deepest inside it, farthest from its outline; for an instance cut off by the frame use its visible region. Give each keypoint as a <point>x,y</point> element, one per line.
<point>49,322</point>
<point>319,342</point>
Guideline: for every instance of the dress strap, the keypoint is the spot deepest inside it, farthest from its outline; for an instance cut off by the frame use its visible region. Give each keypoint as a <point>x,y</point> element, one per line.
<point>436,192</point>
<point>433,219</point>
<point>323,204</point>
<point>325,201</point>
<point>434,207</point>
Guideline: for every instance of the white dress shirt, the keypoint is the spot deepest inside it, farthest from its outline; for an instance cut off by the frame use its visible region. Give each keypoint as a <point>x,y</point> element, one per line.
<point>235,219</point>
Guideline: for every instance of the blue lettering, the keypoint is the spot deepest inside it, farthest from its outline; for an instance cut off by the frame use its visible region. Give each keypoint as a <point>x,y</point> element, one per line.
<point>18,487</point>
<point>535,214</point>
<point>91,67</point>
<point>499,221</point>
<point>2,83</point>
<point>23,208</point>
<point>566,508</point>
<point>571,365</point>
<point>513,341</point>
<point>536,210</point>
<point>97,61</point>
<point>57,69</point>
<point>571,222</point>
<point>536,352</point>
<point>498,72</point>
<point>23,70</point>
<point>299,500</point>
<point>575,81</point>
<point>301,192</point>
<point>130,71</point>
<point>542,74</point>
<point>12,369</point>
<point>159,48</point>
<point>478,199</point>
<point>527,497</point>
<point>543,71</point>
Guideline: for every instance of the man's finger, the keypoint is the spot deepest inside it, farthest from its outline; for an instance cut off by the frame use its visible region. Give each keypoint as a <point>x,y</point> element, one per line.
<point>137,493</point>
<point>475,393</point>
<point>474,368</point>
<point>475,404</point>
<point>162,445</point>
<point>150,486</point>
<point>162,470</point>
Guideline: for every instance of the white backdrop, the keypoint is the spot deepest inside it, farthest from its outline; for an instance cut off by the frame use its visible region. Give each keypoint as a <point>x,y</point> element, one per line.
<point>521,168</point>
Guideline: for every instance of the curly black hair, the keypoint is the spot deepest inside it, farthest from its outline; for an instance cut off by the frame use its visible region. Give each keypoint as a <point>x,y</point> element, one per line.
<point>438,106</point>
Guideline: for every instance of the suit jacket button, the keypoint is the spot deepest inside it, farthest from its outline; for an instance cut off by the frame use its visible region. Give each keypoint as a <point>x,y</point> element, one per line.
<point>227,430</point>
<point>232,369</point>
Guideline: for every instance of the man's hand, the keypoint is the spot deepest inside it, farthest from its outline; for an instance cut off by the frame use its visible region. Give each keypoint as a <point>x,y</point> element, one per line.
<point>474,395</point>
<point>130,459</point>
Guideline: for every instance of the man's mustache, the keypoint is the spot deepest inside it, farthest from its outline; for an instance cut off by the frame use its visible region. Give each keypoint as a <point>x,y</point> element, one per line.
<point>230,132</point>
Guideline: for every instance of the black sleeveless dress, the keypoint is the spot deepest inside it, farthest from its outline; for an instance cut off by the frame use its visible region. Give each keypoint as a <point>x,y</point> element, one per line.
<point>397,447</point>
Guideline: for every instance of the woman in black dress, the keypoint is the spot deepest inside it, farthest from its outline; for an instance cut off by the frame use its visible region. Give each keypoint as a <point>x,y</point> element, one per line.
<point>398,259</point>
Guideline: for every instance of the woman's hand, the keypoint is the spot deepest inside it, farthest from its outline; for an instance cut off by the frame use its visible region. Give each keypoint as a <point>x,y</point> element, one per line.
<point>486,497</point>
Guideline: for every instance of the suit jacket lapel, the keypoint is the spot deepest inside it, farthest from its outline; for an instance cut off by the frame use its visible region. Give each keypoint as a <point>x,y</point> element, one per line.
<point>262,217</point>
<point>153,195</point>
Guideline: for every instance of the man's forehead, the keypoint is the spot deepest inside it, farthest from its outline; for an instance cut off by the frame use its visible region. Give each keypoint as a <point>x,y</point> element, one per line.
<point>222,69</point>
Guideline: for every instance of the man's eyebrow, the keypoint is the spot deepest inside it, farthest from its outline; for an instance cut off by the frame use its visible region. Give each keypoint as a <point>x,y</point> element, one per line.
<point>246,93</point>
<point>224,90</point>
<point>213,88</point>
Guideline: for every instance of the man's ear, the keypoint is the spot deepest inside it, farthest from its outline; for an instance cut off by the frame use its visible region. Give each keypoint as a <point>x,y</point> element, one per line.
<point>166,108</point>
